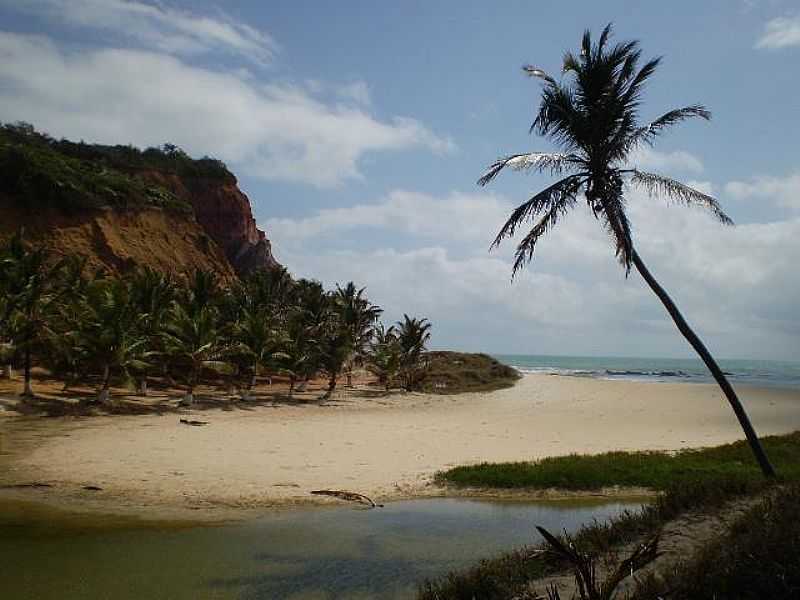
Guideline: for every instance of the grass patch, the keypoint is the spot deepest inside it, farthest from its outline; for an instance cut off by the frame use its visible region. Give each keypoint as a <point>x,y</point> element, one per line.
<point>458,372</point>
<point>690,480</point>
<point>758,557</point>
<point>508,575</point>
<point>656,470</point>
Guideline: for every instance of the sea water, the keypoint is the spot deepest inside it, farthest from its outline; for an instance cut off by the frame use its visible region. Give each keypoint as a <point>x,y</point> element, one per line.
<point>742,372</point>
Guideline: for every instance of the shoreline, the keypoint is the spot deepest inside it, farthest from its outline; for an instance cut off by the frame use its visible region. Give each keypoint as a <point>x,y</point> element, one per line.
<point>267,457</point>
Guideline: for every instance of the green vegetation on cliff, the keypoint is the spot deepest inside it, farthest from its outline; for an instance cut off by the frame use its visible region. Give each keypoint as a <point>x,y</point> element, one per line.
<point>42,172</point>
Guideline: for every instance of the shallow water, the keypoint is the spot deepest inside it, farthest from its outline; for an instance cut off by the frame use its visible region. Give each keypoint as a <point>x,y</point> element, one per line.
<point>306,554</point>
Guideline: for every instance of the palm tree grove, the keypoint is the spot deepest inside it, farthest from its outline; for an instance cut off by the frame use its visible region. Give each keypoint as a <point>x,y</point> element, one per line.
<point>102,328</point>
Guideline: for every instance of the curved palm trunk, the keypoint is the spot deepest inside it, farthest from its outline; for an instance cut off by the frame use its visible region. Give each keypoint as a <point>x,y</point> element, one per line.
<point>719,376</point>
<point>27,391</point>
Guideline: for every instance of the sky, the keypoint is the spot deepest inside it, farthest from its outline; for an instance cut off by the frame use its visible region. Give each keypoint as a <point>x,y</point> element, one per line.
<point>359,129</point>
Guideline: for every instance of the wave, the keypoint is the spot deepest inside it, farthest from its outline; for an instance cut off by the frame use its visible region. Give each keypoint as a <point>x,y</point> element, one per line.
<point>612,373</point>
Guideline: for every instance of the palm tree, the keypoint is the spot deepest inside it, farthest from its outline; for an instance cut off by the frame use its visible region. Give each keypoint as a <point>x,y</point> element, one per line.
<point>358,316</point>
<point>151,294</point>
<point>191,340</point>
<point>384,354</point>
<point>412,336</point>
<point>592,115</point>
<point>111,335</point>
<point>258,338</point>
<point>28,282</point>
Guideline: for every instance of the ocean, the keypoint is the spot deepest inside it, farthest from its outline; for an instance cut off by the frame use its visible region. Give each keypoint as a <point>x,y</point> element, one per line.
<point>740,372</point>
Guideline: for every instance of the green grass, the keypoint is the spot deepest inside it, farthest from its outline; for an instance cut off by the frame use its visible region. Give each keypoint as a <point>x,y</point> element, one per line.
<point>459,372</point>
<point>758,557</point>
<point>656,470</point>
<point>688,481</point>
<point>509,574</point>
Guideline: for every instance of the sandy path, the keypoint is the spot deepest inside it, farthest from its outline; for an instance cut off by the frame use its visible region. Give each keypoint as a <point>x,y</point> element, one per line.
<point>385,447</point>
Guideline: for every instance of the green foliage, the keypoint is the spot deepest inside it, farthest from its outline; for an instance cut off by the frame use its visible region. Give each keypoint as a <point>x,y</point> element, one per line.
<point>459,372</point>
<point>82,325</point>
<point>758,557</point>
<point>44,173</point>
<point>655,470</point>
<point>412,337</point>
<point>384,355</point>
<point>511,574</point>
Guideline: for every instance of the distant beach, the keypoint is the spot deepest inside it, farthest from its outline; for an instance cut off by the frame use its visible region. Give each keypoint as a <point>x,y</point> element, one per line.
<point>389,447</point>
<point>759,373</point>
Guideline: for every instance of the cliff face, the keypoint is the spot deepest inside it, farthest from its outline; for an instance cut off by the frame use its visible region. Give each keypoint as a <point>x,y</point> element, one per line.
<point>117,240</point>
<point>224,212</point>
<point>120,207</point>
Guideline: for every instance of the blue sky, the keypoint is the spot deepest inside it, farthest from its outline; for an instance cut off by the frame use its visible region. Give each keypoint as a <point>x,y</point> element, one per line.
<point>358,130</point>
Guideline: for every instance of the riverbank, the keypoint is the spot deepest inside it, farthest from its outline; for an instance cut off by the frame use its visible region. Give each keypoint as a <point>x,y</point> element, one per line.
<point>252,457</point>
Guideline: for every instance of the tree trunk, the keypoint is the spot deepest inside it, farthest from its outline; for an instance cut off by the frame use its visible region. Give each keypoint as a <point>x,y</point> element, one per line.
<point>7,372</point>
<point>291,385</point>
<point>27,391</point>
<point>332,383</point>
<point>717,373</point>
<point>102,395</point>
<point>143,386</point>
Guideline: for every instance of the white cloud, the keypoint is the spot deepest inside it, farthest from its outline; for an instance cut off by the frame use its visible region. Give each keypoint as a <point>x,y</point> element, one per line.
<point>780,32</point>
<point>737,285</point>
<point>456,216</point>
<point>679,160</point>
<point>357,91</point>
<point>146,98</point>
<point>783,191</point>
<point>157,26</point>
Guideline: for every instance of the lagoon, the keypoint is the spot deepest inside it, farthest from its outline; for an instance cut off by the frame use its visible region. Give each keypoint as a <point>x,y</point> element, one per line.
<point>321,553</point>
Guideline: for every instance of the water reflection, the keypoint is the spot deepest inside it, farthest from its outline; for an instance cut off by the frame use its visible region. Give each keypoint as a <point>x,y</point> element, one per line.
<point>325,554</point>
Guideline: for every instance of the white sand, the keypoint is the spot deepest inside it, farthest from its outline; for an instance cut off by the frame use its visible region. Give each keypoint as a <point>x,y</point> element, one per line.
<point>383,447</point>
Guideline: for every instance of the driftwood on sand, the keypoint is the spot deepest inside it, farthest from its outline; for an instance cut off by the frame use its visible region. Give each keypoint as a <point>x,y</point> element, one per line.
<point>195,423</point>
<point>350,496</point>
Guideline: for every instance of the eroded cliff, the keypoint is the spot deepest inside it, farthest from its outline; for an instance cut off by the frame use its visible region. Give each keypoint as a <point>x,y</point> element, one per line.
<point>120,207</point>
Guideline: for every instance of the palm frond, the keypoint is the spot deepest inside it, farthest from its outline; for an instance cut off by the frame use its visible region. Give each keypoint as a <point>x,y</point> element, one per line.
<point>532,71</point>
<point>656,184</point>
<point>650,132</point>
<point>561,191</point>
<point>537,161</point>
<point>524,251</point>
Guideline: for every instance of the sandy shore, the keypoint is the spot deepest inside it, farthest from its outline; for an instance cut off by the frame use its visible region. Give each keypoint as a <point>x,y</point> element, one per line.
<point>387,447</point>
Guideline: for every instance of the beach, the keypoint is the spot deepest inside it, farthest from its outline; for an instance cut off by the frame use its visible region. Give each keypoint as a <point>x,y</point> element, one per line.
<point>250,459</point>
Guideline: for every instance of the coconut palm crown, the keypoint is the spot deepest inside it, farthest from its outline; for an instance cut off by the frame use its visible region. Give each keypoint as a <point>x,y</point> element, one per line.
<point>592,115</point>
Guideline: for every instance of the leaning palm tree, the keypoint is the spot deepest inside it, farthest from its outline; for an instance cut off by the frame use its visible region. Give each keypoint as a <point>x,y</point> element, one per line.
<point>592,114</point>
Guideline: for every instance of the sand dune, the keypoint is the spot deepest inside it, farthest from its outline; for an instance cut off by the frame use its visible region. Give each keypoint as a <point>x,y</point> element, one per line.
<point>383,447</point>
